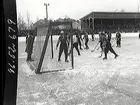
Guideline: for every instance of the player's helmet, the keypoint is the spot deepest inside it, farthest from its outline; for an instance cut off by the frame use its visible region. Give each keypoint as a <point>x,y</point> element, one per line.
<point>62,32</point>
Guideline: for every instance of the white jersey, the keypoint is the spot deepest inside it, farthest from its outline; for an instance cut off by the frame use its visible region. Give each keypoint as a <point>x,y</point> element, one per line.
<point>75,39</point>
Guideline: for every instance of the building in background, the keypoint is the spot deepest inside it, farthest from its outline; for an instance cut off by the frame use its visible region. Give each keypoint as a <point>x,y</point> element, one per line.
<point>39,23</point>
<point>60,24</point>
<point>75,24</point>
<point>63,25</point>
<point>111,21</point>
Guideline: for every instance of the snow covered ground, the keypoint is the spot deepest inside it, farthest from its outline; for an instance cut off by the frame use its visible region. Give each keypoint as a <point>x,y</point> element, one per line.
<point>93,81</point>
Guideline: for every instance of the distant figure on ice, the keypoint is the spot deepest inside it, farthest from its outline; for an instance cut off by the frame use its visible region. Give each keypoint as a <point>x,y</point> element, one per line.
<point>79,40</point>
<point>106,45</point>
<point>29,46</point>
<point>118,39</point>
<point>63,41</point>
<point>75,44</point>
<point>101,37</point>
<point>139,35</point>
<point>86,40</point>
<point>93,37</point>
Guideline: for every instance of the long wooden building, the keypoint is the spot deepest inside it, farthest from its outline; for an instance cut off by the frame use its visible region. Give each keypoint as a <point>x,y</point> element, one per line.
<point>110,21</point>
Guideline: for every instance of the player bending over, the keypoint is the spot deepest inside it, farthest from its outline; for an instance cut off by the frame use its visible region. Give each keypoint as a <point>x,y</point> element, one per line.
<point>75,44</point>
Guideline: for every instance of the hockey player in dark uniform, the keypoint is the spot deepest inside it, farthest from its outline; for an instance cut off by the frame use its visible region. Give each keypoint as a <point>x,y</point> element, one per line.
<point>86,40</point>
<point>29,46</point>
<point>118,39</point>
<point>63,41</point>
<point>106,46</point>
<point>79,40</point>
<point>101,36</point>
<point>139,35</point>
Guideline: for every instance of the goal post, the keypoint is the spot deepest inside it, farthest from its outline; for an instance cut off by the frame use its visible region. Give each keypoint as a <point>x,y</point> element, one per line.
<point>44,48</point>
<point>44,54</point>
<point>72,58</point>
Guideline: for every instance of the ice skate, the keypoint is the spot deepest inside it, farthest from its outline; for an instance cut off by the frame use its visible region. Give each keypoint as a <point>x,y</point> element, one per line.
<point>104,58</point>
<point>66,60</point>
<point>116,56</point>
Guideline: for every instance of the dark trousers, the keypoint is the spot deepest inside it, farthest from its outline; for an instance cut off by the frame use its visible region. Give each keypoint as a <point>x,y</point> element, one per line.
<point>118,43</point>
<point>109,48</point>
<point>101,45</point>
<point>75,45</point>
<point>79,42</point>
<point>29,46</point>
<point>109,39</point>
<point>86,44</point>
<point>29,56</point>
<point>92,37</point>
<point>61,49</point>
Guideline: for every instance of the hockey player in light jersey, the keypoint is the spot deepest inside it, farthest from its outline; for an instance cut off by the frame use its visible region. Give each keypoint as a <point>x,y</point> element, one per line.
<point>86,40</point>
<point>75,44</point>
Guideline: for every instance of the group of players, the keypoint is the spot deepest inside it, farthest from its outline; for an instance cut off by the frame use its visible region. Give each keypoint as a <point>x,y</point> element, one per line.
<point>64,43</point>
<point>104,40</point>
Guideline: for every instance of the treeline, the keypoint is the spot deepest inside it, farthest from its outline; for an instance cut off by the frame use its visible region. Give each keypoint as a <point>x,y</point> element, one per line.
<point>24,25</point>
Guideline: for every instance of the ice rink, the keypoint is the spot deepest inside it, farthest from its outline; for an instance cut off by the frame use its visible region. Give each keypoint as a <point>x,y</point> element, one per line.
<point>93,81</point>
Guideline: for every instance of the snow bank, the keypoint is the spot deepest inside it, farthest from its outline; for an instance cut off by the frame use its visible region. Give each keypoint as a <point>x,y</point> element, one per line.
<point>25,68</point>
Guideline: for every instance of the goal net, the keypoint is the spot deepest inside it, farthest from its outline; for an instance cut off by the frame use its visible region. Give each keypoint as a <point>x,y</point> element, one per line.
<point>44,52</point>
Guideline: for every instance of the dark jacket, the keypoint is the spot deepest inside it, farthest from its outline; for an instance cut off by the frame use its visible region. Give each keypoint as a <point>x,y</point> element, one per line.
<point>29,44</point>
<point>63,40</point>
<point>118,36</point>
<point>109,36</point>
<point>85,37</point>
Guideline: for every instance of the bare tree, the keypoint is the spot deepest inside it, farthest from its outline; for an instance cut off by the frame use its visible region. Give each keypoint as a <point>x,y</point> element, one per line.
<point>29,22</point>
<point>37,18</point>
<point>21,23</point>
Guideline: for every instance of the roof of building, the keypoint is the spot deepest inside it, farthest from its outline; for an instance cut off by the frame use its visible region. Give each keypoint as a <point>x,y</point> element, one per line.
<point>110,15</point>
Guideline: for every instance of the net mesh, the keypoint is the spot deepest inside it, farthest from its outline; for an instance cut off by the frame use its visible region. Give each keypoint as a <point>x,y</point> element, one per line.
<point>39,44</point>
<point>48,63</point>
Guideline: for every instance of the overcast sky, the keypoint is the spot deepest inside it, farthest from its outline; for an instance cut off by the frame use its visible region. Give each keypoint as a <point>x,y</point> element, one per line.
<point>72,8</point>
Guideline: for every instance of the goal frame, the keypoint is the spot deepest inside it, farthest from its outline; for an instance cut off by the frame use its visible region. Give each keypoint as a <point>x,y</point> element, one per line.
<point>49,34</point>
